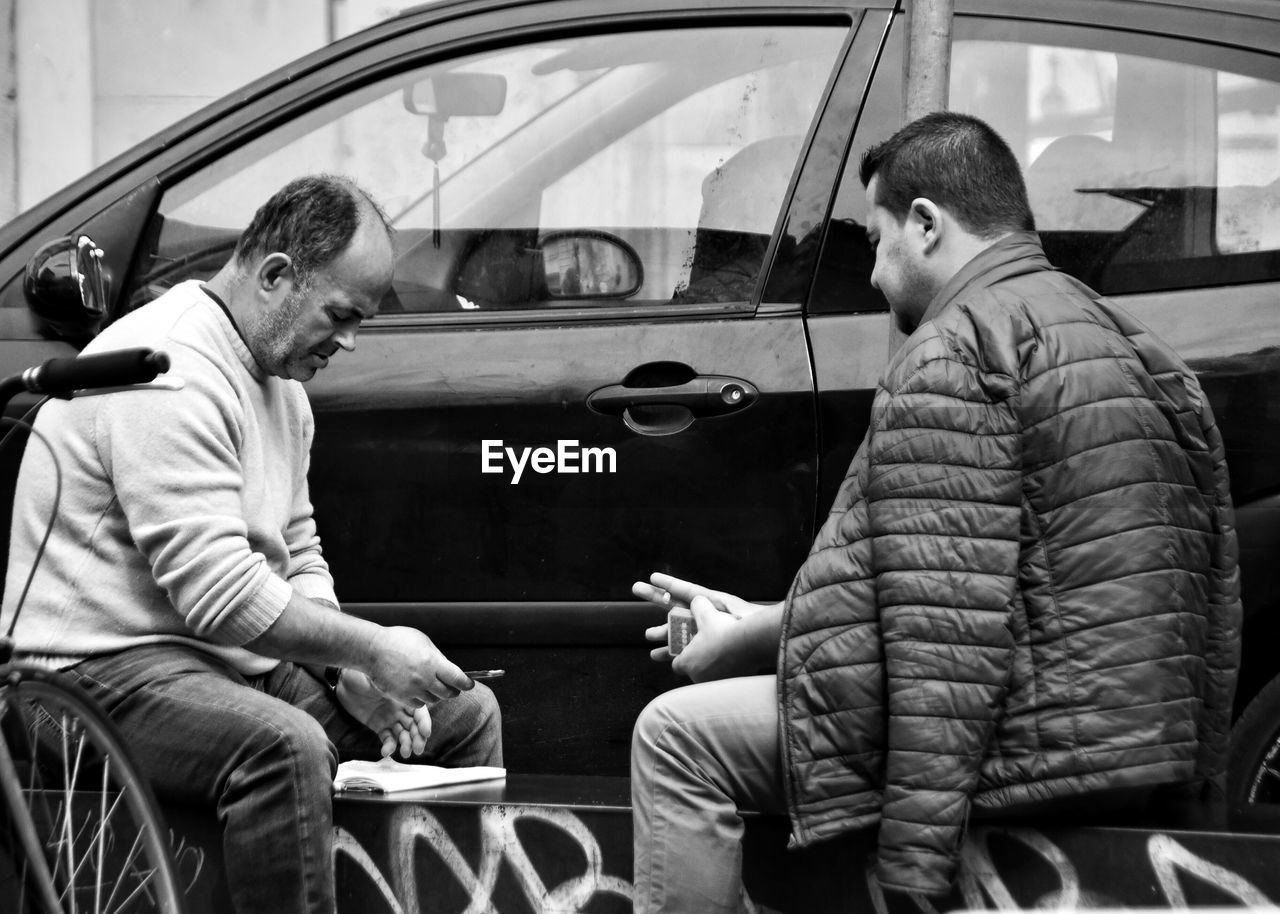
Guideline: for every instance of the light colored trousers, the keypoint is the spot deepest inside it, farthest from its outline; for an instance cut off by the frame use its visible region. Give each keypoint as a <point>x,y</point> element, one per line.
<point>699,754</point>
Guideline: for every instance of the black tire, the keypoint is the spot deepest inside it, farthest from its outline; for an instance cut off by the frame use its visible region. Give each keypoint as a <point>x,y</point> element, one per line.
<point>1253,769</point>
<point>105,841</point>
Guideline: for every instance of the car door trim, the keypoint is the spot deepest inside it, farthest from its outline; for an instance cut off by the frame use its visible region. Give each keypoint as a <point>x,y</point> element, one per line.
<point>505,624</point>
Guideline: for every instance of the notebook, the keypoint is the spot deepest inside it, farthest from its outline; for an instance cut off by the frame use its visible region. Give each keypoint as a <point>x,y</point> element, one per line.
<point>389,776</point>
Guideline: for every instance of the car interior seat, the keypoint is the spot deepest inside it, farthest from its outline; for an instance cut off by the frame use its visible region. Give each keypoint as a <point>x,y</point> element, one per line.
<point>1060,181</point>
<point>741,199</point>
<point>1079,222</point>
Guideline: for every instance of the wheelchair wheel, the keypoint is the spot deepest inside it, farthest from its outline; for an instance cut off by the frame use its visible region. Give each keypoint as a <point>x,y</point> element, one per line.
<point>104,843</point>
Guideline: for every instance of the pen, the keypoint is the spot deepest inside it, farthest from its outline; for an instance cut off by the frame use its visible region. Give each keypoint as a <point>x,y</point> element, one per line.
<point>478,675</point>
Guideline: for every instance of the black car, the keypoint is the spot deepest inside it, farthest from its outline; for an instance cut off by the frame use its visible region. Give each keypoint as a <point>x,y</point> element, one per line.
<point>632,327</point>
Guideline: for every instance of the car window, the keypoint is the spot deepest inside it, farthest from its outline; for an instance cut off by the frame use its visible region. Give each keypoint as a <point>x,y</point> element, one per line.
<point>640,169</point>
<point>1150,164</point>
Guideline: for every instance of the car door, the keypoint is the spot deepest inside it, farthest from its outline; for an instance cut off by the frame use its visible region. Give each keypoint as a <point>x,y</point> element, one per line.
<point>578,378</point>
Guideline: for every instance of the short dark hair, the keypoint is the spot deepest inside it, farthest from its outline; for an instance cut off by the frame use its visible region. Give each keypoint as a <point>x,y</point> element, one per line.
<point>312,219</point>
<point>958,162</point>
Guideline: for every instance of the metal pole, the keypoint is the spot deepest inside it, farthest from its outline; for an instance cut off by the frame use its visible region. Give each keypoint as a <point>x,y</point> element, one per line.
<point>926,76</point>
<point>8,111</point>
<point>928,56</point>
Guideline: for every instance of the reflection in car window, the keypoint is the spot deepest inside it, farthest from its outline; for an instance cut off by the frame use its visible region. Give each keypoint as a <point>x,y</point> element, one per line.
<point>1147,170</point>
<point>1147,167</point>
<point>658,157</point>
<point>1248,211</point>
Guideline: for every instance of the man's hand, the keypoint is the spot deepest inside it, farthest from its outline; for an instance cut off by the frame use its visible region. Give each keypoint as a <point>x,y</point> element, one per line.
<point>735,637</point>
<point>400,663</point>
<point>668,592</point>
<point>410,670</point>
<point>713,652</point>
<point>396,725</point>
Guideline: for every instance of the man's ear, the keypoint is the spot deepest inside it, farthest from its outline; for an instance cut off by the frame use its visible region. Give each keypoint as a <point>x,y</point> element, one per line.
<point>925,217</point>
<point>273,271</point>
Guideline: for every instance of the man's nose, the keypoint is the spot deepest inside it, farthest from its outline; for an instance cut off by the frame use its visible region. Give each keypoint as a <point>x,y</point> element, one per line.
<point>346,338</point>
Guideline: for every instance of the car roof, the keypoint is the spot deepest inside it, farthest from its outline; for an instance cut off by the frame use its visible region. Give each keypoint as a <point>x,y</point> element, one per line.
<point>1262,9</point>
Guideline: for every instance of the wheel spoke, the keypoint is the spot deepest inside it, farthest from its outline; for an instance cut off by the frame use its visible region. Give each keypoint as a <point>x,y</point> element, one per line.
<point>35,784</point>
<point>97,836</point>
<point>133,853</point>
<point>100,841</point>
<point>68,783</point>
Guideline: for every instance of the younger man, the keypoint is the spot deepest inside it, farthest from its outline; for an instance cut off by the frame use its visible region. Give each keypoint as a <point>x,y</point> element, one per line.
<point>1026,591</point>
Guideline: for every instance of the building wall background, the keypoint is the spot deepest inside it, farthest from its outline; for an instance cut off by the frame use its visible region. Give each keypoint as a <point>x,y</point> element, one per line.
<point>83,80</point>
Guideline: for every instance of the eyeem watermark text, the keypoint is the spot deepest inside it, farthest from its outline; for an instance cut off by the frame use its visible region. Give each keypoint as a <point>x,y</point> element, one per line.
<point>565,457</point>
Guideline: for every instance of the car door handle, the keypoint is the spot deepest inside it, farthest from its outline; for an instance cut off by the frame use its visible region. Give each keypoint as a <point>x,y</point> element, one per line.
<point>706,395</point>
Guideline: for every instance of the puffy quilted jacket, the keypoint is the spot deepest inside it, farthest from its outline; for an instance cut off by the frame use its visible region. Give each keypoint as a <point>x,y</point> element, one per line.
<point>1027,587</point>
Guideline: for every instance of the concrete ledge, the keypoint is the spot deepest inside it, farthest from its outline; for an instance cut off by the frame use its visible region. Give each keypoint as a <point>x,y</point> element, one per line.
<point>538,844</point>
<point>530,843</point>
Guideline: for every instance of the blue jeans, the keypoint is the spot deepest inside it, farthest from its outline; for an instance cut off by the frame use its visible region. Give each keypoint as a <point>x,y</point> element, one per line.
<point>698,755</point>
<point>262,751</point>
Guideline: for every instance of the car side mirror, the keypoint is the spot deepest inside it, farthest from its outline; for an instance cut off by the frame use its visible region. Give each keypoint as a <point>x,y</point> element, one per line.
<point>65,288</point>
<point>589,264</point>
<point>457,94</point>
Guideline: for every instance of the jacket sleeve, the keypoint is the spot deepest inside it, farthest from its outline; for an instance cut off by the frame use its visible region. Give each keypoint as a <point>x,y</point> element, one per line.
<point>944,499</point>
<point>1202,445</point>
<point>1225,620</point>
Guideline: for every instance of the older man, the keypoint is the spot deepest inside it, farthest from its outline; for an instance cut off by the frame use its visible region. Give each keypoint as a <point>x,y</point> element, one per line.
<point>184,584</point>
<point>1026,592</point>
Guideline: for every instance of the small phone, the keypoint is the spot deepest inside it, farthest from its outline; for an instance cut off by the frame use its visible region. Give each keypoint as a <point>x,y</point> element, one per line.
<point>480,675</point>
<point>681,627</point>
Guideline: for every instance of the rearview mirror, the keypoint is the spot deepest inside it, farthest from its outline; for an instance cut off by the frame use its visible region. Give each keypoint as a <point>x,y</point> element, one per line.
<point>590,264</point>
<point>65,288</point>
<point>457,94</point>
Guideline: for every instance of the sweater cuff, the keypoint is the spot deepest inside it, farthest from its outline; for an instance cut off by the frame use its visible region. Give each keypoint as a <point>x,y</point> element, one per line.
<point>259,612</point>
<point>314,586</point>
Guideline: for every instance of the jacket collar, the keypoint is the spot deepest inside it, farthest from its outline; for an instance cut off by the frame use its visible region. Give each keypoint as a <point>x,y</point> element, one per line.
<point>1013,255</point>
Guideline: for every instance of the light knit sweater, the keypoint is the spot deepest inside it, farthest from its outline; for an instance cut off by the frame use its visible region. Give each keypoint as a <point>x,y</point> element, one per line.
<point>184,515</point>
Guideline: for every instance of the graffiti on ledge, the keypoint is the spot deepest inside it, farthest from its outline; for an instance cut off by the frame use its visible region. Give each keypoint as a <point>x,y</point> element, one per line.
<point>1002,868</point>
<point>982,885</point>
<point>411,827</point>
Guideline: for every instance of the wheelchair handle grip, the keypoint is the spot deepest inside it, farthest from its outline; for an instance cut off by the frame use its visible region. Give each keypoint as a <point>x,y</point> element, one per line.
<point>119,368</point>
